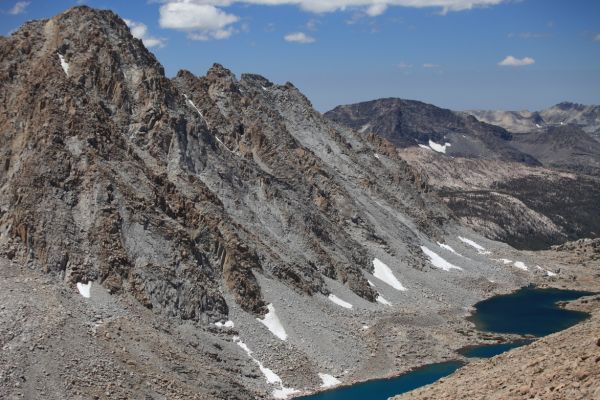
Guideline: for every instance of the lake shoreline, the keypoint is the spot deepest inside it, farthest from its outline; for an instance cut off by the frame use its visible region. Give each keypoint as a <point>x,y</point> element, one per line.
<point>464,359</point>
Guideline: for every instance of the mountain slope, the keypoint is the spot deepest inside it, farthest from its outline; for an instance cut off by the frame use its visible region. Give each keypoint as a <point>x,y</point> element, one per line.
<point>494,187</point>
<point>564,147</point>
<point>407,123</point>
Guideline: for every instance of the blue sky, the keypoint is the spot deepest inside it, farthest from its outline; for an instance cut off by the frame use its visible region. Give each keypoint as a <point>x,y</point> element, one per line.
<point>491,54</point>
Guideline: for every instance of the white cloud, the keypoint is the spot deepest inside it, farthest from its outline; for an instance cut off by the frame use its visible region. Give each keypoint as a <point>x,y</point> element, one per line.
<point>19,7</point>
<point>202,21</point>
<point>511,61</point>
<point>370,7</point>
<point>140,31</point>
<point>404,65</point>
<point>597,37</point>
<point>376,9</point>
<point>299,37</point>
<point>205,19</point>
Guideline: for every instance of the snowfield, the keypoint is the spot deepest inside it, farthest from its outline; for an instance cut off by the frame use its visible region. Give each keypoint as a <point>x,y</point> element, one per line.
<point>226,324</point>
<point>447,247</point>
<point>339,301</point>
<point>471,243</point>
<point>272,322</point>
<point>272,378</point>
<point>521,265</point>
<point>438,261</point>
<point>84,289</point>
<point>328,380</point>
<point>440,148</point>
<point>384,273</point>
<point>383,301</point>
<point>64,64</point>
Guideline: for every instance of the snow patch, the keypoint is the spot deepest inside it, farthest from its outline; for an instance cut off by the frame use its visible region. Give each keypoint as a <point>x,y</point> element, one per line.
<point>438,261</point>
<point>272,322</point>
<point>376,156</point>
<point>272,378</point>
<point>471,243</point>
<point>548,272</point>
<point>447,247</point>
<point>339,301</point>
<point>226,324</point>
<point>64,64</point>
<point>438,147</point>
<point>364,128</point>
<point>384,273</point>
<point>328,380</point>
<point>365,327</point>
<point>371,284</point>
<point>284,393</point>
<point>424,146</point>
<point>383,301</point>
<point>191,104</point>
<point>521,265</point>
<point>84,289</point>
<point>506,260</point>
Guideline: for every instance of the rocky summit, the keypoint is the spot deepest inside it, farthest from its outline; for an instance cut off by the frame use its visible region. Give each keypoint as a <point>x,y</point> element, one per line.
<point>215,237</point>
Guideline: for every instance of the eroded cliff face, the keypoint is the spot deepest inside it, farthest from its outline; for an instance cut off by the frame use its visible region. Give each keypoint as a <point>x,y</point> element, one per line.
<point>173,190</point>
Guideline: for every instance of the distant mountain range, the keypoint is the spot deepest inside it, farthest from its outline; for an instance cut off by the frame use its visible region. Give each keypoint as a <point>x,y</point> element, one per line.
<point>586,117</point>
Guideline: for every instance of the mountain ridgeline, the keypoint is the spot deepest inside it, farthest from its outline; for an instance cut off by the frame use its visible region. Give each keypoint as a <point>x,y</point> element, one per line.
<point>530,189</point>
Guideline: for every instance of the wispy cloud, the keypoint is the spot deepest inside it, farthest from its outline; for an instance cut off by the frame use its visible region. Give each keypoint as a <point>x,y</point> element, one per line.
<point>404,65</point>
<point>19,8</point>
<point>529,35</point>
<point>299,37</point>
<point>511,61</point>
<point>597,37</point>
<point>430,65</point>
<point>140,31</point>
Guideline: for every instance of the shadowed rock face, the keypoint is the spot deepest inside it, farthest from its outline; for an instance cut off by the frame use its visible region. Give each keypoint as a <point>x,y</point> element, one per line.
<point>174,189</point>
<point>563,147</point>
<point>407,123</point>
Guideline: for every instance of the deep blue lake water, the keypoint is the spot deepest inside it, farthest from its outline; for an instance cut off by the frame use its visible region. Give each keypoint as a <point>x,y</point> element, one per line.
<point>491,350</point>
<point>384,388</point>
<point>528,311</point>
